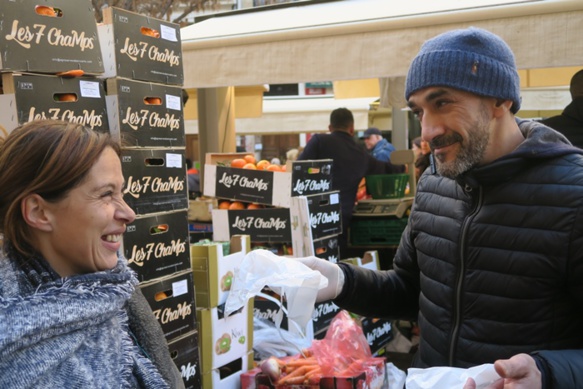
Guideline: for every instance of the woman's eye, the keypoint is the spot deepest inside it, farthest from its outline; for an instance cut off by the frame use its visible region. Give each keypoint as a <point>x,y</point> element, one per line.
<point>107,194</point>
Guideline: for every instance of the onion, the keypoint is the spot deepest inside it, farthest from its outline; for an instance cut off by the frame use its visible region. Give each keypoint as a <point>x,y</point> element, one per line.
<point>271,368</point>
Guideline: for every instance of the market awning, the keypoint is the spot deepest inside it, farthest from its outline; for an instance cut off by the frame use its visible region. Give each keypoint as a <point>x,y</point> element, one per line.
<point>347,40</point>
<point>297,115</point>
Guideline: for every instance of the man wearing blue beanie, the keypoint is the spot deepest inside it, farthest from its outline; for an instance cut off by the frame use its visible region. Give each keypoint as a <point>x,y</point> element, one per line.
<point>491,261</point>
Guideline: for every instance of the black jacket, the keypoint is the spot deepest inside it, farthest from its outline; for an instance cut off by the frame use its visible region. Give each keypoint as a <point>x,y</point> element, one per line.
<point>569,122</point>
<point>351,163</point>
<point>491,265</point>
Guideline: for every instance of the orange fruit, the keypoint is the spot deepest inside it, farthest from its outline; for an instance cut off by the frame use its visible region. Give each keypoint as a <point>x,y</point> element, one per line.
<point>235,205</point>
<point>274,168</point>
<point>284,168</point>
<point>254,206</point>
<point>238,162</point>
<point>150,32</point>
<point>67,97</point>
<point>46,11</point>
<point>153,101</point>
<point>263,164</point>
<point>250,158</point>
<point>250,166</point>
<point>224,204</point>
<point>160,296</point>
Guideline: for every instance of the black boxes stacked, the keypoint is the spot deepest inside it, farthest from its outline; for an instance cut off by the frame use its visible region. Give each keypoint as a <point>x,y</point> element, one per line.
<point>143,77</point>
<point>39,42</point>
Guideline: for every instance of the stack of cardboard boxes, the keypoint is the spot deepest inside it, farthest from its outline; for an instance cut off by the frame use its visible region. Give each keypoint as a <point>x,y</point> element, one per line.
<point>300,209</point>
<point>37,43</point>
<point>143,77</point>
<point>123,77</point>
<point>226,342</point>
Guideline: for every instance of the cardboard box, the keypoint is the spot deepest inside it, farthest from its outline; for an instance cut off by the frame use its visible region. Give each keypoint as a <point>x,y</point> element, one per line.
<point>155,180</point>
<point>262,225</point>
<point>213,271</point>
<point>369,260</point>
<point>378,332</point>
<point>322,316</point>
<point>314,217</point>
<point>32,42</point>
<point>326,248</point>
<point>34,96</point>
<point>157,245</point>
<point>264,187</point>
<point>185,354</point>
<point>145,114</point>
<point>223,339</point>
<point>172,301</point>
<point>228,375</point>
<point>130,51</point>
<point>201,209</point>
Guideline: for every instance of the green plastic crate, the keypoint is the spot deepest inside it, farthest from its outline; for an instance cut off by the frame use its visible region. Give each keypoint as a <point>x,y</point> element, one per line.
<point>386,186</point>
<point>377,231</point>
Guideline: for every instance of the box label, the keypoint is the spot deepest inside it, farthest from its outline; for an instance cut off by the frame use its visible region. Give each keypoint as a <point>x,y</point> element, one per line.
<point>244,184</point>
<point>158,245</point>
<point>263,225</point>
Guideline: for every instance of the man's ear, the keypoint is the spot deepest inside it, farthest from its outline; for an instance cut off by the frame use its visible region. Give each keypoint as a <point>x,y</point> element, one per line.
<point>35,213</point>
<point>502,106</point>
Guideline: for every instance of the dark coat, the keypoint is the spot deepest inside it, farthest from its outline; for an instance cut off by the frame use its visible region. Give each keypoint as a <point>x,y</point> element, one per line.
<point>351,163</point>
<point>569,122</point>
<point>491,265</point>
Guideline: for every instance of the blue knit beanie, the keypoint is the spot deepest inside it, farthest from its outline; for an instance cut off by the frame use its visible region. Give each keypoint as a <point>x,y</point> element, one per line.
<point>473,60</point>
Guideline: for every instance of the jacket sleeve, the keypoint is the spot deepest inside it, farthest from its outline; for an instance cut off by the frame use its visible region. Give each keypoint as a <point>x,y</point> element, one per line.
<point>379,167</point>
<point>389,294</point>
<point>311,149</point>
<point>561,368</point>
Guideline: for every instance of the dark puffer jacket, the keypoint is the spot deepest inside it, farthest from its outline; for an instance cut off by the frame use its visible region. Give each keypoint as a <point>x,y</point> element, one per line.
<point>491,265</point>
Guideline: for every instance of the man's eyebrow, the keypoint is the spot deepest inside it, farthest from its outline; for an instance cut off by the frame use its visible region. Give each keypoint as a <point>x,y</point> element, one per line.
<point>431,96</point>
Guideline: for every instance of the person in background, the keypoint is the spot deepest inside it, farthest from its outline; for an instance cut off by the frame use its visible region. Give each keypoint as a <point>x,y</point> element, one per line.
<point>379,147</point>
<point>292,154</point>
<point>491,261</point>
<point>416,146</point>
<point>423,161</point>
<point>570,121</point>
<point>193,179</point>
<point>275,161</point>
<point>71,314</point>
<point>351,163</point>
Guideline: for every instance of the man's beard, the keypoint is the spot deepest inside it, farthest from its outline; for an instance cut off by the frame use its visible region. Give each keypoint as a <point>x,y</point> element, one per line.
<point>471,152</point>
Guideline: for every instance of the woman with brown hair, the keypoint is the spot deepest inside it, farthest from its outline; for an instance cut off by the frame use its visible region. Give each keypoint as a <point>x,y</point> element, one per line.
<point>67,300</point>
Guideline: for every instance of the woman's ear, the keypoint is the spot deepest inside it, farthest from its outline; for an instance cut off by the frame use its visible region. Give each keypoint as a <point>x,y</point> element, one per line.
<point>35,212</point>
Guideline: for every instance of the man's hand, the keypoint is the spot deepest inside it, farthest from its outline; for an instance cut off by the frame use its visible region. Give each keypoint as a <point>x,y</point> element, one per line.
<point>329,270</point>
<point>518,372</point>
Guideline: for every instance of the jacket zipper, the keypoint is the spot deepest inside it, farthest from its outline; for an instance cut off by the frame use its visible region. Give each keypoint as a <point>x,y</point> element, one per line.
<point>460,276</point>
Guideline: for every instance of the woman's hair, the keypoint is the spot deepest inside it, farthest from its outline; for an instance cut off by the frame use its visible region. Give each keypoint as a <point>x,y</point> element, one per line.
<point>46,157</point>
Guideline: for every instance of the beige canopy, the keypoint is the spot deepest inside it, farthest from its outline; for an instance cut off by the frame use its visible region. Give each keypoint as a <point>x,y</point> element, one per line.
<point>361,39</point>
<point>354,40</point>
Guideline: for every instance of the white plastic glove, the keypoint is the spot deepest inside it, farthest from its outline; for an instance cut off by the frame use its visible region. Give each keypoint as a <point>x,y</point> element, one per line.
<point>331,271</point>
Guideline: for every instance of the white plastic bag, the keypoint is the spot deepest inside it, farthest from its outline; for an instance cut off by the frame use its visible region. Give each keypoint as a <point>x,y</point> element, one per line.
<point>450,377</point>
<point>285,276</point>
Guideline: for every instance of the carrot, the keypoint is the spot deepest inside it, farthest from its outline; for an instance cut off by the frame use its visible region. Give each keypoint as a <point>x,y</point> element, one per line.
<point>302,362</point>
<point>71,73</point>
<point>299,372</point>
<point>291,381</point>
